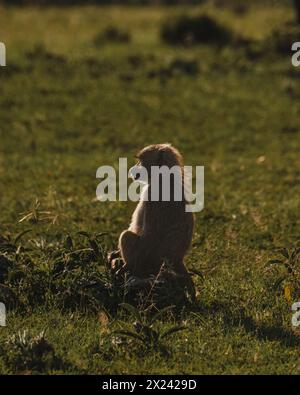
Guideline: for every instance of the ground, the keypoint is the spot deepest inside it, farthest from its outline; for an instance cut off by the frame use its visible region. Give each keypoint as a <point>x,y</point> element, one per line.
<point>70,103</point>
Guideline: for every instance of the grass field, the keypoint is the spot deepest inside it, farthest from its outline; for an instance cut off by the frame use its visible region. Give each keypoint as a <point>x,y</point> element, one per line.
<point>69,103</point>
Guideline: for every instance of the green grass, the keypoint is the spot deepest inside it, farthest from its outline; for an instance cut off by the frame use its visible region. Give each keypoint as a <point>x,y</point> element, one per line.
<point>68,106</point>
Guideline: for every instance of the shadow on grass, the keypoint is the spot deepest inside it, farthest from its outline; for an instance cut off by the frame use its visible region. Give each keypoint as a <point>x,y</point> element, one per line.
<point>239,318</point>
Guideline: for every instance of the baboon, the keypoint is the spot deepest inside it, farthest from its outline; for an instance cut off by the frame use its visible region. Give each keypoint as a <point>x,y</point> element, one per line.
<point>159,230</point>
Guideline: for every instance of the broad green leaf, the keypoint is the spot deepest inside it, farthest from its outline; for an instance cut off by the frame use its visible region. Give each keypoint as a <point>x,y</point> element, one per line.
<point>278,282</point>
<point>127,333</point>
<point>173,330</point>
<point>20,235</point>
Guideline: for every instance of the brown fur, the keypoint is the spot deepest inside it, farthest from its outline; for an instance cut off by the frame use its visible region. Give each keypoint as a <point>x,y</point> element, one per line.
<point>159,230</point>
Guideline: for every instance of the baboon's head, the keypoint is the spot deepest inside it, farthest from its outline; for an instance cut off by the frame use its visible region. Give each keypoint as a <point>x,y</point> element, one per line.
<point>155,155</point>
